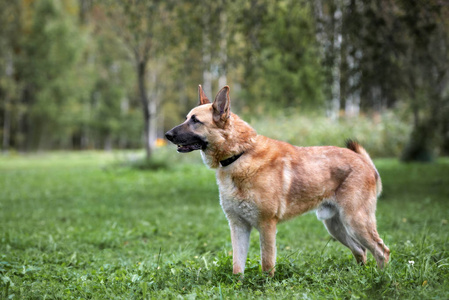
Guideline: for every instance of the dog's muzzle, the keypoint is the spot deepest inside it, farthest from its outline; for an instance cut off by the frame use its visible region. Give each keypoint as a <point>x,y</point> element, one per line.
<point>186,142</point>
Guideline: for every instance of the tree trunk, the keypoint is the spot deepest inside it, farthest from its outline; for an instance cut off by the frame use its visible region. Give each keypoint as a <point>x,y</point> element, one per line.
<point>418,148</point>
<point>334,108</point>
<point>84,7</point>
<point>124,109</point>
<point>25,136</point>
<point>6,144</point>
<point>223,49</point>
<point>329,36</point>
<point>141,76</point>
<point>352,103</point>
<point>6,125</point>
<point>152,130</point>
<point>108,142</point>
<point>207,57</point>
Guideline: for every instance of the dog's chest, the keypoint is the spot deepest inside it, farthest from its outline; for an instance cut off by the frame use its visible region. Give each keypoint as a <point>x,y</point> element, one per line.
<point>237,202</point>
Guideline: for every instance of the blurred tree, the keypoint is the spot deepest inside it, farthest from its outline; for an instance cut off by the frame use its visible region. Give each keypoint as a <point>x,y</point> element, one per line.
<point>388,52</point>
<point>329,34</point>
<point>50,51</point>
<point>85,7</point>
<point>354,44</point>
<point>139,24</point>
<point>112,111</point>
<point>9,31</point>
<point>206,28</point>
<point>280,60</point>
<point>74,73</point>
<point>424,60</point>
<point>202,51</point>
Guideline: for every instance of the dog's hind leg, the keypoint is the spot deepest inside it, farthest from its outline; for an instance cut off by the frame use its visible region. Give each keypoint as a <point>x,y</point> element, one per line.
<point>337,230</point>
<point>357,207</point>
<point>363,229</point>
<point>240,233</point>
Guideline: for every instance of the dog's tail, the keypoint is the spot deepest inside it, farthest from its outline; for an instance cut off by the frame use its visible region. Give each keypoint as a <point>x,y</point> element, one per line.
<point>357,148</point>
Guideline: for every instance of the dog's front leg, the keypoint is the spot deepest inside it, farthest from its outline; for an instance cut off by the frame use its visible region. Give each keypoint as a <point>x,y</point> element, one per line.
<point>240,233</point>
<point>268,245</point>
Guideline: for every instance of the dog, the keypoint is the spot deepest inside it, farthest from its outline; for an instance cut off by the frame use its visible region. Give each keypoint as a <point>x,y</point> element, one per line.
<point>263,182</point>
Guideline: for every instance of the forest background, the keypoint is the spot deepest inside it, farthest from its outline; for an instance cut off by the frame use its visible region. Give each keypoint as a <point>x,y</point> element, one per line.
<point>105,74</point>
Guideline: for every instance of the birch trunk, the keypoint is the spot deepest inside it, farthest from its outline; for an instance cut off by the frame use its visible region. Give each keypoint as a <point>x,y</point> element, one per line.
<point>222,81</point>
<point>207,57</point>
<point>352,103</point>
<point>334,108</point>
<point>329,36</point>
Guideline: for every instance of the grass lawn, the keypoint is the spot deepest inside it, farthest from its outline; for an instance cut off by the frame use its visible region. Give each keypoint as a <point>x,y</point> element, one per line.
<point>77,225</point>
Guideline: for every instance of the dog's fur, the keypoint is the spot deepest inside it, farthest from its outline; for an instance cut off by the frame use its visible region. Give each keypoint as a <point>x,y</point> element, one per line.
<point>273,181</point>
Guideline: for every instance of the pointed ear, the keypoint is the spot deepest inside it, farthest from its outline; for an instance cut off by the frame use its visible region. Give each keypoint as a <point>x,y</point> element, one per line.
<point>222,107</point>
<point>202,97</point>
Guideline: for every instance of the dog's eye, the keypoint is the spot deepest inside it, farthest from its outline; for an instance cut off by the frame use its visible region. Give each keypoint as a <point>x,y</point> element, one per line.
<point>194,119</point>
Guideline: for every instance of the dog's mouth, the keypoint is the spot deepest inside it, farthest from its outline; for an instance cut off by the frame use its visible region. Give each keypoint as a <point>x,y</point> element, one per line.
<point>190,147</point>
<point>186,141</point>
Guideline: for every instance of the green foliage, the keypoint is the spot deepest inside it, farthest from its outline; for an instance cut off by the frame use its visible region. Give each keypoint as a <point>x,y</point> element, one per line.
<point>286,70</point>
<point>52,48</point>
<point>70,89</point>
<point>97,74</point>
<point>73,227</point>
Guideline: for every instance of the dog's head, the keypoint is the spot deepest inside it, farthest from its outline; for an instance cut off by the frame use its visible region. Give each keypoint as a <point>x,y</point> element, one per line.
<point>201,122</point>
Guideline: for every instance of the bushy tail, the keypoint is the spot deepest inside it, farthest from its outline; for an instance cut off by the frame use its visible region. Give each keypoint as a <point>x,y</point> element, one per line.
<point>357,148</point>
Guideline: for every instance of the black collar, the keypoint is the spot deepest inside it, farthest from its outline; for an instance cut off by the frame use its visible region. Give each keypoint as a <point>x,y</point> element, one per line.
<point>230,160</point>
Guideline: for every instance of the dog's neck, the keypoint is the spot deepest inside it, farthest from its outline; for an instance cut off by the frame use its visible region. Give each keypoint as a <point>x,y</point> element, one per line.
<point>231,144</point>
<point>228,161</point>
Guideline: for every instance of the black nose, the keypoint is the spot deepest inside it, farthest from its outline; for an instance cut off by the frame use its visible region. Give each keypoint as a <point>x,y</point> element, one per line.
<point>169,135</point>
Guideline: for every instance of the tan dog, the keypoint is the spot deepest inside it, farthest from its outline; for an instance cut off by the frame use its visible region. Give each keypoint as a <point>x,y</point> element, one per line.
<point>263,182</point>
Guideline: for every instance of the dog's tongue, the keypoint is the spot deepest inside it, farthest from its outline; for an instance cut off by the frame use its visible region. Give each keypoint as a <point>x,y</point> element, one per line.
<point>188,148</point>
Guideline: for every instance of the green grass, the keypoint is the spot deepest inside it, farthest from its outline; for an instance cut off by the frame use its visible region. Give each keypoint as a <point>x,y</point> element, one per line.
<point>81,225</point>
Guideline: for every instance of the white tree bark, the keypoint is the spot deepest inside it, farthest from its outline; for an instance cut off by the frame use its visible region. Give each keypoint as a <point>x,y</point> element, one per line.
<point>207,57</point>
<point>222,80</point>
<point>334,107</point>
<point>352,104</point>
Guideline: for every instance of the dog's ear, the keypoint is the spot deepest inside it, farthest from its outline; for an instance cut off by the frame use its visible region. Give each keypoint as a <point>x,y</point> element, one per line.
<point>222,107</point>
<point>202,97</point>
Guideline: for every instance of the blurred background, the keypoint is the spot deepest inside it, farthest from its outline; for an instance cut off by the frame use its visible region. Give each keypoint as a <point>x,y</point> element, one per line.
<point>105,74</point>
